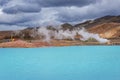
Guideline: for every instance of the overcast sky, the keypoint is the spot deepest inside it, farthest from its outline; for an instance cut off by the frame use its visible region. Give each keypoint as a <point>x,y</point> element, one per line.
<point>18,14</point>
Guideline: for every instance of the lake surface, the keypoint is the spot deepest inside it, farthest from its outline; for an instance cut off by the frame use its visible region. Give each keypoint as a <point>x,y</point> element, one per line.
<point>60,63</point>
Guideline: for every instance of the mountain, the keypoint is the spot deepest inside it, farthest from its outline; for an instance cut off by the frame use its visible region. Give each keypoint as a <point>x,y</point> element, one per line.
<point>107,27</point>
<point>67,26</point>
<point>98,21</point>
<point>5,34</point>
<point>107,30</point>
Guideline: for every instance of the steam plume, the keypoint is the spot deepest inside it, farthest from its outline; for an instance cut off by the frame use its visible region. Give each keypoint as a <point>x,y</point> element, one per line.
<point>67,34</point>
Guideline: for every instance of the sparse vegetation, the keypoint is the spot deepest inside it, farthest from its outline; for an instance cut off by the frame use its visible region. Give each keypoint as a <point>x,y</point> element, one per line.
<point>104,26</point>
<point>91,40</point>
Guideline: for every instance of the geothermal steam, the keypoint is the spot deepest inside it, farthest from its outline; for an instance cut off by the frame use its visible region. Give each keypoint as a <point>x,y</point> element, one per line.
<point>67,34</point>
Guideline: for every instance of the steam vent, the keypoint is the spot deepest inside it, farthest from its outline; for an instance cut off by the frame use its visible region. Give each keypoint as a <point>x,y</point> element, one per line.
<point>100,31</point>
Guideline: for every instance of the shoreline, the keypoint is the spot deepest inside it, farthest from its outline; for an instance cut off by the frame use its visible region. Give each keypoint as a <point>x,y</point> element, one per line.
<point>53,43</point>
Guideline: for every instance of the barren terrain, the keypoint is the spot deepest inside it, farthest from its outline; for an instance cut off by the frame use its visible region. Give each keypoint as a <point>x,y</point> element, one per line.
<point>105,29</point>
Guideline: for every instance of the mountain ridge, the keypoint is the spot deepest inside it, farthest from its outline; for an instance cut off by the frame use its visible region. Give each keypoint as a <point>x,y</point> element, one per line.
<point>107,27</point>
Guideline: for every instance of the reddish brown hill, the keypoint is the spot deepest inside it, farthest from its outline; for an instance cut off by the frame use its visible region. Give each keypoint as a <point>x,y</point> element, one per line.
<point>98,21</point>
<point>106,30</point>
<point>5,34</point>
<point>106,27</point>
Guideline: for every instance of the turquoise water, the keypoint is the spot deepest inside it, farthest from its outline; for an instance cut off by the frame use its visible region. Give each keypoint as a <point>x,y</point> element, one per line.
<point>61,63</point>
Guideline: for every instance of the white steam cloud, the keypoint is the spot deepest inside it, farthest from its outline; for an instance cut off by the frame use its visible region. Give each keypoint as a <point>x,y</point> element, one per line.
<point>68,34</point>
<point>86,35</point>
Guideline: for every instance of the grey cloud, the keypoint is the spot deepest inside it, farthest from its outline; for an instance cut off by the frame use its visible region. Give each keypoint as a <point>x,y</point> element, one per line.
<point>47,12</point>
<point>58,3</point>
<point>22,8</point>
<point>75,14</point>
<point>16,18</point>
<point>5,27</point>
<point>3,2</point>
<point>27,6</point>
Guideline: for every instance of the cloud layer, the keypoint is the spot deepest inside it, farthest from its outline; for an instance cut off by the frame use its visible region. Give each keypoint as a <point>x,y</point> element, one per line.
<point>29,13</point>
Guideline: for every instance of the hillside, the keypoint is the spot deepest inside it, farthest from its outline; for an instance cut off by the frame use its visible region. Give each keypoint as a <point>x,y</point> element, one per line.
<point>106,30</point>
<point>98,21</point>
<point>100,29</point>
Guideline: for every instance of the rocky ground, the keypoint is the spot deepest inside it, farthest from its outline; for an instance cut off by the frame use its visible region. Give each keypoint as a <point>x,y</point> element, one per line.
<point>107,27</point>
<point>53,43</point>
<point>22,44</point>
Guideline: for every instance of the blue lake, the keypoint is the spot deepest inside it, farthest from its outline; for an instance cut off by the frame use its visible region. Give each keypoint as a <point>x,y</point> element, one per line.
<point>60,63</point>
